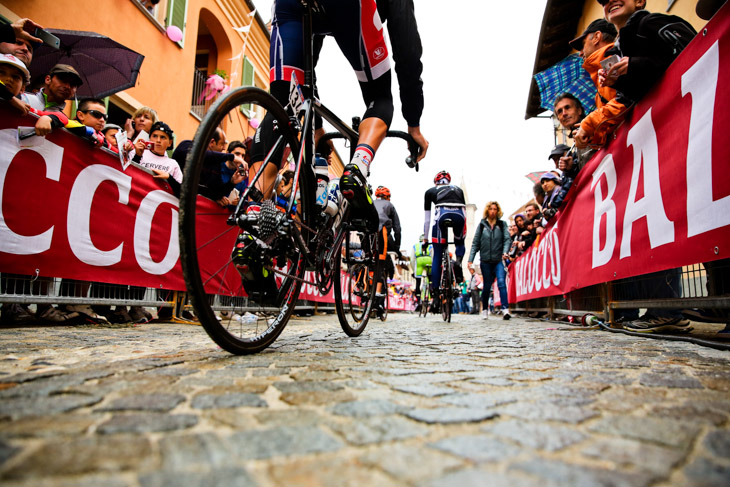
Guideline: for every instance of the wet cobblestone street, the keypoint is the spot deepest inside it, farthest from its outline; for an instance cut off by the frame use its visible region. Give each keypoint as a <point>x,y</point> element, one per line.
<point>412,402</point>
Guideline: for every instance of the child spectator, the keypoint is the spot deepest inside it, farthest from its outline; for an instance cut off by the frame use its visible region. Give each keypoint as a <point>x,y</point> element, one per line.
<point>549,182</point>
<point>153,156</point>
<point>110,131</point>
<point>13,77</point>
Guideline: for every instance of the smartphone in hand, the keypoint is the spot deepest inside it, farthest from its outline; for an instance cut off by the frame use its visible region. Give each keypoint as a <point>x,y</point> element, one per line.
<point>610,61</point>
<point>48,38</point>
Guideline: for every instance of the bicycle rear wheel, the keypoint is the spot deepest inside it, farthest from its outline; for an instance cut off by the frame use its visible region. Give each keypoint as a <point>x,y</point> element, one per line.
<point>384,280</point>
<point>252,318</point>
<point>446,296</point>
<point>353,309</point>
<point>425,302</point>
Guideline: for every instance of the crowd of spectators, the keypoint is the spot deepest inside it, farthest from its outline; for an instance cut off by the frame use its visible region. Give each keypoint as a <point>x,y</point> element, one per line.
<point>625,54</point>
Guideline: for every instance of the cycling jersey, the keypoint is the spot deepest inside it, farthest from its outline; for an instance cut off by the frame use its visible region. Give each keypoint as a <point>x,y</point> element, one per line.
<point>450,204</point>
<point>444,195</point>
<point>389,220</point>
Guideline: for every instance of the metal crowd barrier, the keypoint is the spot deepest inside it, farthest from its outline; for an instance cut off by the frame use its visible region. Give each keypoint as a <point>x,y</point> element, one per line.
<point>682,288</point>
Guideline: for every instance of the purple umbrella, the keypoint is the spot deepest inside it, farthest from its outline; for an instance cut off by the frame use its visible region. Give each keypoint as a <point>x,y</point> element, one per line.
<point>105,66</point>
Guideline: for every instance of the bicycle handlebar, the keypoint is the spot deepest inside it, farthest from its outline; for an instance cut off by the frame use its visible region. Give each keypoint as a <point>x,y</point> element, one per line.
<point>413,147</point>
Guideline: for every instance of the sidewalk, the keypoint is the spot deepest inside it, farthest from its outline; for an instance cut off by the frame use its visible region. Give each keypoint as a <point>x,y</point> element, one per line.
<point>412,402</point>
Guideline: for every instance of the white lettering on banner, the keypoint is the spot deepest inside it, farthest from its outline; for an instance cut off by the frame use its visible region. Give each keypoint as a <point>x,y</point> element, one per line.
<point>53,156</point>
<point>703,212</point>
<point>646,148</point>
<point>143,233</point>
<point>531,271</point>
<point>79,213</point>
<point>604,206</point>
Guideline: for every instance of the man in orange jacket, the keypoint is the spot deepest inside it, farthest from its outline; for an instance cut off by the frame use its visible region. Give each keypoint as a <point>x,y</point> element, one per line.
<point>592,45</point>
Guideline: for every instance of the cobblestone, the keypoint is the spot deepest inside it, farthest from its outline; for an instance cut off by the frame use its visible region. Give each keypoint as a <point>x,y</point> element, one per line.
<point>412,402</point>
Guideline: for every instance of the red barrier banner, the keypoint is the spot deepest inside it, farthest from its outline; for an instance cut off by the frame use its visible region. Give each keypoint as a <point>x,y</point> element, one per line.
<point>69,210</point>
<point>658,197</point>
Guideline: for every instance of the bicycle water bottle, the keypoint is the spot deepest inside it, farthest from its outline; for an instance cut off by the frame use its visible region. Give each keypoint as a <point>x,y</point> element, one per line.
<point>334,197</point>
<point>322,172</point>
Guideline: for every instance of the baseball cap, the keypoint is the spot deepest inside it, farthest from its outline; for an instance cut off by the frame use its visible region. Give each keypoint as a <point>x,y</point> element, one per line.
<point>598,25</point>
<point>558,150</point>
<point>110,126</point>
<point>549,175</point>
<point>66,69</point>
<point>13,61</point>
<point>163,127</point>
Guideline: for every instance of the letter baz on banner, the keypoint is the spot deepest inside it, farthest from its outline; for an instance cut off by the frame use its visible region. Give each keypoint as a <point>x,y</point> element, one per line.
<point>658,197</point>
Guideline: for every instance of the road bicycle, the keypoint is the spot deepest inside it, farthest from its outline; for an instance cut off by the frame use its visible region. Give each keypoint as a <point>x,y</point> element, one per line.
<point>256,267</point>
<point>425,292</point>
<point>447,287</point>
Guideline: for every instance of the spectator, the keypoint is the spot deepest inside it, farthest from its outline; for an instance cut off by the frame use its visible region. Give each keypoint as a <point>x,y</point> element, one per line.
<point>557,153</point>
<point>491,240</point>
<point>153,156</point>
<point>234,173</point>
<point>110,131</point>
<point>569,111</point>
<point>211,179</point>
<point>593,45</point>
<point>539,193</point>
<point>59,85</point>
<point>16,39</point>
<point>549,182</point>
<point>475,283</point>
<point>647,45</point>
<point>20,48</point>
<point>13,77</point>
<point>142,119</point>
<point>91,113</point>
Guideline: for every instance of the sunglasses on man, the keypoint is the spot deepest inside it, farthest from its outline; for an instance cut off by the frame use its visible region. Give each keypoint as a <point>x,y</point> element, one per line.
<point>96,114</point>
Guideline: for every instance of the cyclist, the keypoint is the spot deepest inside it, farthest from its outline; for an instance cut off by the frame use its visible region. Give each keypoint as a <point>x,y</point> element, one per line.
<point>357,27</point>
<point>388,239</point>
<point>449,203</point>
<point>421,262</point>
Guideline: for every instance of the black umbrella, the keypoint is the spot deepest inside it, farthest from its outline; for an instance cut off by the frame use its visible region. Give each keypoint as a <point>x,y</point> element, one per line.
<point>105,66</point>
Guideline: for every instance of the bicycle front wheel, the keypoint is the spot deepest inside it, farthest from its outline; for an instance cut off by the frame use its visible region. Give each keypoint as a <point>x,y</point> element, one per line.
<point>253,305</point>
<point>446,296</point>
<point>353,309</point>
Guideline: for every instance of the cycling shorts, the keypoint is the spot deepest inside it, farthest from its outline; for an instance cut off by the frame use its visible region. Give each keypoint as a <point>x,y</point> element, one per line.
<point>423,263</point>
<point>457,215</point>
<point>355,25</point>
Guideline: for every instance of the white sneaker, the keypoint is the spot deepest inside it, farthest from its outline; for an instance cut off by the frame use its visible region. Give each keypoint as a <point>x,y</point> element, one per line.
<point>485,314</point>
<point>506,315</point>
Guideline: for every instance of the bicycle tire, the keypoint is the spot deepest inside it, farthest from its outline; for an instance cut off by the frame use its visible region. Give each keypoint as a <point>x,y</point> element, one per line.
<point>425,301</point>
<point>233,335</point>
<point>446,296</point>
<point>384,280</point>
<point>352,314</point>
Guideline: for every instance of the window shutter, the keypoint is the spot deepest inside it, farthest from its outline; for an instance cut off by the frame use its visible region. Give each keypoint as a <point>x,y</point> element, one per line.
<point>248,79</point>
<point>176,15</point>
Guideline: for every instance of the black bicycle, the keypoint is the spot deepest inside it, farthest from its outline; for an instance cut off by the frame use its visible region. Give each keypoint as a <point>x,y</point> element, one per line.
<point>447,286</point>
<point>425,292</point>
<point>255,268</point>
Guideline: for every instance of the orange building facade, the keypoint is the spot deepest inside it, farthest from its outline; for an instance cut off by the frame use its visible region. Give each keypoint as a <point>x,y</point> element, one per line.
<point>227,37</point>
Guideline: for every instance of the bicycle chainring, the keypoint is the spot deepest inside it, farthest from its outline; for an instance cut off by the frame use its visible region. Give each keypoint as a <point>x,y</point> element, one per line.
<point>323,274</point>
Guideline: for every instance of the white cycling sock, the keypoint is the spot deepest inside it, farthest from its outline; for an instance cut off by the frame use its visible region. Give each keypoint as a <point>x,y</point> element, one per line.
<point>362,158</point>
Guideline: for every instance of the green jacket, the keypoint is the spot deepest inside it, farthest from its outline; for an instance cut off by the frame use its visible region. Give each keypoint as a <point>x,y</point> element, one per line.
<point>490,242</point>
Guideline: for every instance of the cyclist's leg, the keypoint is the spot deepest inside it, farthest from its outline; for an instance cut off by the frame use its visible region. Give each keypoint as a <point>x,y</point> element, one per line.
<point>459,235</point>
<point>286,57</point>
<point>438,243</point>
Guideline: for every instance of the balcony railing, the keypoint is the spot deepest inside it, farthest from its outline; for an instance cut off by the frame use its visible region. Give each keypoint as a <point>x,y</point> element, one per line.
<point>198,108</point>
